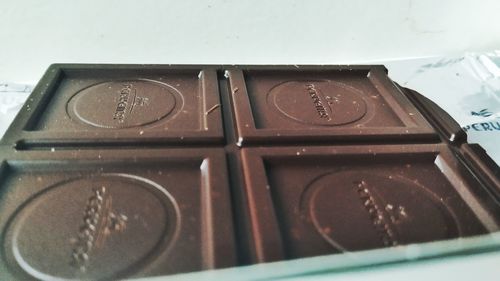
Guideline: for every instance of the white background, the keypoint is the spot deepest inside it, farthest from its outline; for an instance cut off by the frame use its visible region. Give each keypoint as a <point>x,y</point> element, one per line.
<point>34,34</point>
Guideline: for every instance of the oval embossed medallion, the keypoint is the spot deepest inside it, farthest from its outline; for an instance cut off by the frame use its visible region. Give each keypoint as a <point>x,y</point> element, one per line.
<point>123,104</point>
<point>324,103</point>
<point>92,228</point>
<point>354,210</point>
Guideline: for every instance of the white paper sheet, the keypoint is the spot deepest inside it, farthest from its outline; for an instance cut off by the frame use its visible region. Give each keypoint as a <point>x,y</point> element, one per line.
<point>12,97</point>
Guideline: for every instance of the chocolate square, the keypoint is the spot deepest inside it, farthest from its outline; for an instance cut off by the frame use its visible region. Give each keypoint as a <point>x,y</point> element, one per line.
<point>309,201</point>
<point>112,214</point>
<point>113,104</point>
<point>322,105</point>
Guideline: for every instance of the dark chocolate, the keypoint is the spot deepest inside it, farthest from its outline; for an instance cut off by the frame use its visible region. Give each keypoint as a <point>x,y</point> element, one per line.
<point>78,105</point>
<point>309,201</point>
<point>443,122</point>
<point>323,105</point>
<point>483,166</point>
<point>116,171</point>
<point>107,215</point>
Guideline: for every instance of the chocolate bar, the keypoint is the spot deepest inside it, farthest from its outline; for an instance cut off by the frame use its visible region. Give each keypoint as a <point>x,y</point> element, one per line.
<point>116,171</point>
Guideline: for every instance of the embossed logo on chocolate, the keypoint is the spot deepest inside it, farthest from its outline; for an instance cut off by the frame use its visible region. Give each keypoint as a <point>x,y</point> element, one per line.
<point>326,103</point>
<point>124,104</point>
<point>106,226</point>
<point>380,210</point>
<point>98,223</point>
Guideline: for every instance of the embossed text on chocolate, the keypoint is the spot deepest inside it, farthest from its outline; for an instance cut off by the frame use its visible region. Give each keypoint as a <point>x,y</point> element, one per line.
<point>381,223</point>
<point>98,223</point>
<point>318,104</point>
<point>121,106</point>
